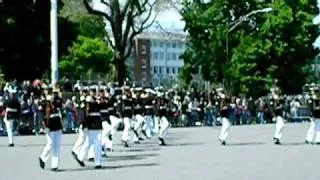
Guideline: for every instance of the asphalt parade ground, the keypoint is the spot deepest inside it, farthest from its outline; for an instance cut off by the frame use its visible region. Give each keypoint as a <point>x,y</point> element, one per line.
<point>191,154</point>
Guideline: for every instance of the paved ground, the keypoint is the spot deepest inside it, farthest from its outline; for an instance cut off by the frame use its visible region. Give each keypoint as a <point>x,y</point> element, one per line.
<point>193,153</point>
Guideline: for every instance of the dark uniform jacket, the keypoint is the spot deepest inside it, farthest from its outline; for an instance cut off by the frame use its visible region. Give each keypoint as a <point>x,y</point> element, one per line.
<point>148,106</point>
<point>12,108</point>
<point>138,106</point>
<point>127,107</point>
<point>104,111</point>
<point>53,115</point>
<point>93,119</point>
<point>316,108</point>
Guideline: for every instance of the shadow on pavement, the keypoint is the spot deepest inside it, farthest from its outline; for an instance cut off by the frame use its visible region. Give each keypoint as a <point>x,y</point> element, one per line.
<point>90,168</point>
<point>138,150</point>
<point>185,144</point>
<point>293,144</point>
<point>34,145</point>
<point>246,144</point>
<point>130,157</point>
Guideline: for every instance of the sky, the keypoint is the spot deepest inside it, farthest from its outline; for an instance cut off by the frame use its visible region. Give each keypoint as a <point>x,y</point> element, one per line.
<point>170,20</point>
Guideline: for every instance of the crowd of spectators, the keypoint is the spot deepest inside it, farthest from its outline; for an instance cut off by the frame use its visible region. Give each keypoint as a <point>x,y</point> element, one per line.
<point>189,107</point>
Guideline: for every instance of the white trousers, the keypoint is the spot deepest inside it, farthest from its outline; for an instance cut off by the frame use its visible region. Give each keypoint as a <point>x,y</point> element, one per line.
<point>156,121</point>
<point>224,129</point>
<point>106,131</point>
<point>279,127</point>
<point>311,131</point>
<point>53,146</point>
<point>93,139</point>
<point>115,122</point>
<point>314,130</point>
<point>9,127</point>
<point>148,125</point>
<point>138,125</point>
<point>80,141</point>
<point>126,130</point>
<point>164,126</point>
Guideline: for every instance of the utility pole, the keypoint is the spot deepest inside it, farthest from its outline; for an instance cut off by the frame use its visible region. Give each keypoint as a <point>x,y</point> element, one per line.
<point>54,42</point>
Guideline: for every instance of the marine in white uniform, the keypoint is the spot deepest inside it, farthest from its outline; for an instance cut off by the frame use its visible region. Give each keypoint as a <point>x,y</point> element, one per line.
<point>53,126</point>
<point>224,105</point>
<point>93,138</point>
<point>12,114</point>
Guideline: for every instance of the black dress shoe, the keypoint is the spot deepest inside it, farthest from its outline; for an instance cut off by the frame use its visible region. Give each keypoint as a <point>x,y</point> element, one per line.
<point>109,149</point>
<point>277,141</point>
<point>91,159</point>
<point>125,143</point>
<point>307,142</point>
<point>141,139</point>
<point>110,137</point>
<point>161,142</point>
<point>11,145</point>
<point>137,142</point>
<point>55,169</point>
<point>223,143</point>
<point>73,154</point>
<point>41,163</point>
<point>81,163</point>
<point>98,167</point>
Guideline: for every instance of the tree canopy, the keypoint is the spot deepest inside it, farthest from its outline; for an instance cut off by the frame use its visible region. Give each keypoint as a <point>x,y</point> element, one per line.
<point>264,47</point>
<point>87,55</point>
<point>126,19</point>
<point>25,37</point>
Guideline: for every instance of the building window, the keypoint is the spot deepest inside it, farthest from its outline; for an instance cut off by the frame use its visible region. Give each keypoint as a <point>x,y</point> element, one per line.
<point>174,44</point>
<point>168,45</point>
<point>178,70</point>
<point>155,70</point>
<point>168,70</point>
<point>180,45</point>
<point>174,56</point>
<point>173,70</point>
<point>143,62</point>
<point>161,56</point>
<point>143,49</point>
<point>154,43</point>
<point>155,56</point>
<point>160,70</point>
<point>161,44</point>
<point>168,56</point>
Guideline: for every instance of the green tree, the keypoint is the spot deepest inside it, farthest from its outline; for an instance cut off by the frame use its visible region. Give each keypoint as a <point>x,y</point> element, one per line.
<point>25,37</point>
<point>277,45</point>
<point>87,55</point>
<point>88,25</point>
<point>126,20</point>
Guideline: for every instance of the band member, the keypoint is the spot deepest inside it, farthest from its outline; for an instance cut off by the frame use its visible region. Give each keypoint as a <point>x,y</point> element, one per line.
<point>53,124</point>
<point>224,105</point>
<point>12,114</point>
<point>163,111</point>
<point>314,129</point>
<point>278,110</point>
<point>106,123</point>
<point>94,124</point>
<point>127,112</point>
<point>149,103</point>
<point>83,128</point>
<point>138,113</point>
<point>114,108</point>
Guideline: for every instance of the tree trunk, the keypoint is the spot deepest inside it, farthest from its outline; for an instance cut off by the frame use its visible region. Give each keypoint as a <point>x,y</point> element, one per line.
<point>121,70</point>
